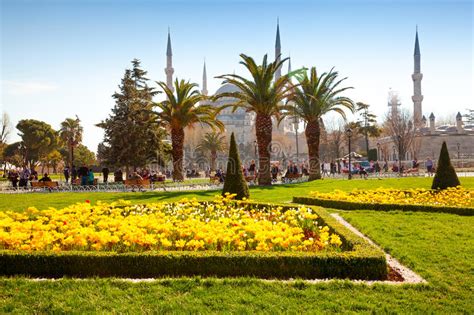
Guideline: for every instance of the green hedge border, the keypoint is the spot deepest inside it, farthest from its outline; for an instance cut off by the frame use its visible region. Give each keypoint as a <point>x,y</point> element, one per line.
<point>357,260</point>
<point>349,205</point>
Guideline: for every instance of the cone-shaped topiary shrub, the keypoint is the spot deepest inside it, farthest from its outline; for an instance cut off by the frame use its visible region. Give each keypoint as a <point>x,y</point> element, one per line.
<point>445,174</point>
<point>234,179</point>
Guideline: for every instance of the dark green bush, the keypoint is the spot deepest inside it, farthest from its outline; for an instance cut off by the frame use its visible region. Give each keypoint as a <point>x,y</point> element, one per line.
<point>356,260</point>
<point>234,178</point>
<point>349,205</point>
<point>445,173</point>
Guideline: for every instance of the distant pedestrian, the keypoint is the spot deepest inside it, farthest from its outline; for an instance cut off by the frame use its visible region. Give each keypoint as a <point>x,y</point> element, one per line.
<point>66,174</point>
<point>105,174</point>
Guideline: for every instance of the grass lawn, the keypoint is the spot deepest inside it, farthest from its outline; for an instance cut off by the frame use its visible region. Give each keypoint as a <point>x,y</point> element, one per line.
<point>439,247</point>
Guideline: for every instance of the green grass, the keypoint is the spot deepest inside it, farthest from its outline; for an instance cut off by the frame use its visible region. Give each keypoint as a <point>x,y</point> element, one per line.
<point>278,193</point>
<point>439,247</point>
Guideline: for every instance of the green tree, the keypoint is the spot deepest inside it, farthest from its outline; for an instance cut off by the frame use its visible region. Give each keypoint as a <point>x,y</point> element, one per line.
<point>234,178</point>
<point>71,134</point>
<point>181,110</point>
<point>213,143</point>
<point>263,96</point>
<point>132,135</point>
<point>38,140</point>
<point>13,154</point>
<point>84,156</point>
<point>445,173</point>
<point>316,96</point>
<point>366,125</point>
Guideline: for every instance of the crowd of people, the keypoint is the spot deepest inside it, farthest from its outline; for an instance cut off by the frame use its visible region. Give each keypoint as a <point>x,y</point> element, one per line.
<point>20,178</point>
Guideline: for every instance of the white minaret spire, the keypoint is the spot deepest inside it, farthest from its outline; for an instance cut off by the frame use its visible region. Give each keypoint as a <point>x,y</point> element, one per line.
<point>204,80</point>
<point>169,64</point>
<point>278,50</point>
<point>417,76</point>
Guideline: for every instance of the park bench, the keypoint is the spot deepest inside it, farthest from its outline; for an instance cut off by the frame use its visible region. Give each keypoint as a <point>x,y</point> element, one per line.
<point>77,181</point>
<point>292,177</point>
<point>137,182</point>
<point>214,180</point>
<point>45,185</point>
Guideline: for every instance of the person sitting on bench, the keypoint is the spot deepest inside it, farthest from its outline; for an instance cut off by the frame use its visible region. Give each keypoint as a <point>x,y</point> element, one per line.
<point>45,178</point>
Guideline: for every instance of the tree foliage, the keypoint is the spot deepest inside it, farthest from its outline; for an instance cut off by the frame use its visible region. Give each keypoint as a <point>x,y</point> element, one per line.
<point>316,96</point>
<point>71,135</point>
<point>132,137</point>
<point>400,128</point>
<point>445,173</point>
<point>38,140</point>
<point>263,96</point>
<point>212,143</point>
<point>181,109</point>
<point>234,178</point>
<point>366,124</point>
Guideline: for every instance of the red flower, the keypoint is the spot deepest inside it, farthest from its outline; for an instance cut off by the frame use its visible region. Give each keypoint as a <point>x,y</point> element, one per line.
<point>88,201</point>
<point>64,223</point>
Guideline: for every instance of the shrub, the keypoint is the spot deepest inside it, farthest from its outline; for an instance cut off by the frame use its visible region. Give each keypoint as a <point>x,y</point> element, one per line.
<point>445,173</point>
<point>349,205</point>
<point>234,179</point>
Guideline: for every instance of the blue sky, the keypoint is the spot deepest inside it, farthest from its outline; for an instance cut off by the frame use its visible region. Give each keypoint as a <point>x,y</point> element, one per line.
<point>62,58</point>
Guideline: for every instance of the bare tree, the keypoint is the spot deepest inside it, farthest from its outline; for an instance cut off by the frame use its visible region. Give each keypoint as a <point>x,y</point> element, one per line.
<point>336,136</point>
<point>399,127</point>
<point>5,128</point>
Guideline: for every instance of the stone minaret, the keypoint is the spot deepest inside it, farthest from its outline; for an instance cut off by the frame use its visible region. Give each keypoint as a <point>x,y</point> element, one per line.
<point>459,123</point>
<point>278,51</point>
<point>417,76</point>
<point>432,123</point>
<point>204,80</point>
<point>169,64</point>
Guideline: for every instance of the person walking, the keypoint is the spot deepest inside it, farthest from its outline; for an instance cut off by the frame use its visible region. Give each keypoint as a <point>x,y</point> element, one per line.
<point>83,174</point>
<point>105,174</point>
<point>73,175</point>
<point>66,174</point>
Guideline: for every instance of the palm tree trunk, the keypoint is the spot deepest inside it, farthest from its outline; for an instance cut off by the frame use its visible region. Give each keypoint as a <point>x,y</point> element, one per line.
<point>263,126</point>
<point>177,141</point>
<point>312,133</point>
<point>71,158</point>
<point>213,160</point>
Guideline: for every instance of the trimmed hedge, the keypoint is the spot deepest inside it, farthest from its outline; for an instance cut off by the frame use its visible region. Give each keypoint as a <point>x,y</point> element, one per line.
<point>350,205</point>
<point>357,260</point>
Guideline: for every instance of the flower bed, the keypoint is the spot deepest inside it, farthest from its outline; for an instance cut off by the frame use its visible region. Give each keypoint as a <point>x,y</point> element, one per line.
<point>452,200</point>
<point>222,225</point>
<point>184,239</point>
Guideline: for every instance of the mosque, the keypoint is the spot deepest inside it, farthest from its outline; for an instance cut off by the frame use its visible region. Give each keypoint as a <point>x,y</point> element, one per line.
<point>242,123</point>
<point>289,142</point>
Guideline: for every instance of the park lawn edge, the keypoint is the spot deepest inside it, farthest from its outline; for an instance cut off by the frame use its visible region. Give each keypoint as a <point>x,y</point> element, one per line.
<point>351,205</point>
<point>357,260</point>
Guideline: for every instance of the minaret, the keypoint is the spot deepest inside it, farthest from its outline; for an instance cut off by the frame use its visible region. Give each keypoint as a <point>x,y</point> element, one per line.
<point>204,80</point>
<point>278,51</point>
<point>417,76</point>
<point>169,64</point>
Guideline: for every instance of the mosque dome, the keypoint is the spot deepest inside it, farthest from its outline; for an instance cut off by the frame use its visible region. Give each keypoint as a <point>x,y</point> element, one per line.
<point>227,88</point>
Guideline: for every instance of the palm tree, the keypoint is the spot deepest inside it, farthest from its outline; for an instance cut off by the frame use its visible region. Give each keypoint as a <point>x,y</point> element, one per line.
<point>263,96</point>
<point>212,142</point>
<point>316,96</point>
<point>181,110</point>
<point>71,134</point>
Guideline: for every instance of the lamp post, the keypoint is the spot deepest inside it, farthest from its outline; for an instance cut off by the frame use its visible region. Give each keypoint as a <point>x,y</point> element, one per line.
<point>400,155</point>
<point>296,122</point>
<point>349,135</point>
<point>378,152</point>
<point>459,153</point>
